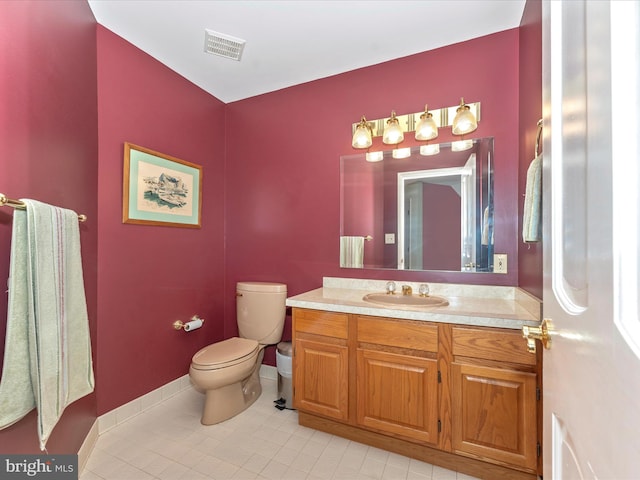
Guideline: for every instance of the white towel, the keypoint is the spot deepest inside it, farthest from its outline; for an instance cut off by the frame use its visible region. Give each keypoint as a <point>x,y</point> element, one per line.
<point>47,284</point>
<point>532,215</point>
<point>351,252</point>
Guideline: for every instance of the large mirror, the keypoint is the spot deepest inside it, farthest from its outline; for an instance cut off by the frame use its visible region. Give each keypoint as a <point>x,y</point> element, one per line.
<point>421,212</point>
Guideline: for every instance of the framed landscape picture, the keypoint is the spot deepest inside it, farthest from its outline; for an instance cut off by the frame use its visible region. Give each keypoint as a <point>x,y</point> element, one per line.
<point>160,190</point>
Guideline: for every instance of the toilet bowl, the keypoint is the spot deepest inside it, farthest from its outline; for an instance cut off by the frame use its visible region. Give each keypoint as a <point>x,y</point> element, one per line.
<point>228,372</point>
<point>219,371</point>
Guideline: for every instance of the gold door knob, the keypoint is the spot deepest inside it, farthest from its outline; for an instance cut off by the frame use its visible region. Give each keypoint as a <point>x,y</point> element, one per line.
<point>537,333</point>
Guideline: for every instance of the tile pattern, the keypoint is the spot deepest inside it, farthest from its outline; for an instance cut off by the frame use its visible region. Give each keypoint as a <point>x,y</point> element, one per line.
<point>167,442</point>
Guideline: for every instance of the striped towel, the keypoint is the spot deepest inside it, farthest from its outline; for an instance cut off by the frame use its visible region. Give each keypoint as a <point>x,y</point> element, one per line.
<point>51,292</point>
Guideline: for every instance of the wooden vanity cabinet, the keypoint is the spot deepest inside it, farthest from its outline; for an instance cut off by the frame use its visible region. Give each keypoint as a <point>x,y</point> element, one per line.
<point>397,378</point>
<point>461,397</point>
<point>321,363</point>
<point>494,396</point>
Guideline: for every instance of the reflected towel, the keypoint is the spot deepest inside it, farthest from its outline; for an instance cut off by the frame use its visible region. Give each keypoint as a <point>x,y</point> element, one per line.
<point>532,215</point>
<point>485,228</point>
<point>351,252</point>
<point>47,285</point>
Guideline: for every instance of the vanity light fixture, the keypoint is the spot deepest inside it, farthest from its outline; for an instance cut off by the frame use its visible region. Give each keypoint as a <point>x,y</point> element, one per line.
<point>464,122</point>
<point>374,156</point>
<point>410,122</point>
<point>362,135</point>
<point>426,129</point>
<point>392,134</point>
<point>401,152</point>
<point>462,118</point>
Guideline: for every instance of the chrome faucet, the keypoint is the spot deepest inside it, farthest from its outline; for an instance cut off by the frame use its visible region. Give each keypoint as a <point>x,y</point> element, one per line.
<point>406,290</point>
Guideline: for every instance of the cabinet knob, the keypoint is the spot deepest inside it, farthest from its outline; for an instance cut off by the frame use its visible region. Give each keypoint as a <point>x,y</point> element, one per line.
<point>538,333</point>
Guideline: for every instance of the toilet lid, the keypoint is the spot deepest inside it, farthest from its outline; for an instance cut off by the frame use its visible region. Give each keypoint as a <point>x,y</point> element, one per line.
<point>227,352</point>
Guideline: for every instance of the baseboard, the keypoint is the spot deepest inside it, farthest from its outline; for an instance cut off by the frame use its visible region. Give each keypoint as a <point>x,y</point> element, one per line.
<point>129,410</point>
<point>87,446</point>
<point>119,415</point>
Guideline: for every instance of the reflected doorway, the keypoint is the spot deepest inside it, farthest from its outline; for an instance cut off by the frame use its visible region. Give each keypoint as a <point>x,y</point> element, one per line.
<point>431,202</point>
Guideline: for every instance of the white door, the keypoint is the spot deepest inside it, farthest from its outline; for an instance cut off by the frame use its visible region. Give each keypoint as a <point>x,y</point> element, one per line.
<point>591,216</point>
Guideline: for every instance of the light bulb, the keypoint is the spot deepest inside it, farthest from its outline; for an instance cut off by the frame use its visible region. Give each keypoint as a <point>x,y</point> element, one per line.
<point>401,152</point>
<point>374,156</point>
<point>461,145</point>
<point>426,128</point>
<point>427,150</point>
<point>362,135</point>
<point>392,134</point>
<point>464,122</point>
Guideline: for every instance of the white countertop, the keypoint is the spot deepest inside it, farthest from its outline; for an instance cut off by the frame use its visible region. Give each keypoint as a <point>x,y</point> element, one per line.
<point>487,306</point>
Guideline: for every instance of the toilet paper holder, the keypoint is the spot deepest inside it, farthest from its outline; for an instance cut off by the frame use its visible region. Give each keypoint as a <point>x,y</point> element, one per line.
<point>180,325</point>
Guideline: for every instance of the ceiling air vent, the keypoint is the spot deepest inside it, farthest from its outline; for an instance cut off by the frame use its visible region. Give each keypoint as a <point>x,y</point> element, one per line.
<point>223,45</point>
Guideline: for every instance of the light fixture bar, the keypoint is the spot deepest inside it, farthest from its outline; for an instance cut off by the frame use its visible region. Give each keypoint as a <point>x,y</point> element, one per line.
<point>442,116</point>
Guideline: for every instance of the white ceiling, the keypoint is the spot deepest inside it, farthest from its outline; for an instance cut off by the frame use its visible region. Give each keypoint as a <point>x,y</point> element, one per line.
<point>295,41</point>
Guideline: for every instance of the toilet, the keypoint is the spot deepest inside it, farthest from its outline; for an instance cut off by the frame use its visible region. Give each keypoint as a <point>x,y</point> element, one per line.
<point>228,372</point>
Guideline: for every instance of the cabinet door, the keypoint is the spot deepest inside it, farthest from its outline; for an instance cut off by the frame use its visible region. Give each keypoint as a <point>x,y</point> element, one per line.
<point>321,378</point>
<point>494,414</point>
<point>398,394</point>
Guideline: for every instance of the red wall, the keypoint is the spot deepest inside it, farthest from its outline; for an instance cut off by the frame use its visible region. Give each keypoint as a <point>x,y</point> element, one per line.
<point>150,276</point>
<point>48,151</point>
<point>529,254</point>
<point>283,186</point>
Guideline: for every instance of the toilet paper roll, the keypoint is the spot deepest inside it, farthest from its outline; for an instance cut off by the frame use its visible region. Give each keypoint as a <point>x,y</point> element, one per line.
<point>192,325</point>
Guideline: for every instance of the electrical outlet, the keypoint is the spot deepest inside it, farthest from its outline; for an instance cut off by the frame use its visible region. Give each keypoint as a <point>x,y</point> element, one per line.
<point>389,238</point>
<point>500,263</point>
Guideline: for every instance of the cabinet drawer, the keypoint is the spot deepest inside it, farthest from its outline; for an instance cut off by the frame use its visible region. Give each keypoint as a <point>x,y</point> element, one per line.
<point>494,344</point>
<point>329,324</point>
<point>398,333</point>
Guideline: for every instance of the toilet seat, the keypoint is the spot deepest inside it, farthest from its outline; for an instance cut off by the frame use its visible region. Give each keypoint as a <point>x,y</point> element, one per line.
<point>224,354</point>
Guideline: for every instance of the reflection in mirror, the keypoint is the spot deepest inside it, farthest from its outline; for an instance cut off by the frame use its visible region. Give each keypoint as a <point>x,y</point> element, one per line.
<point>424,212</point>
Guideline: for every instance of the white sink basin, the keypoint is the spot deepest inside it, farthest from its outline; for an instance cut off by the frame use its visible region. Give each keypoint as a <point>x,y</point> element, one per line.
<point>399,300</point>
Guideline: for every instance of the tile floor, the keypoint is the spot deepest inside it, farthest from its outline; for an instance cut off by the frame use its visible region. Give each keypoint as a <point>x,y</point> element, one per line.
<point>168,442</point>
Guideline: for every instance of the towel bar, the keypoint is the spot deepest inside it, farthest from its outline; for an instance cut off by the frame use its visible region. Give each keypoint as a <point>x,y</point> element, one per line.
<point>10,202</point>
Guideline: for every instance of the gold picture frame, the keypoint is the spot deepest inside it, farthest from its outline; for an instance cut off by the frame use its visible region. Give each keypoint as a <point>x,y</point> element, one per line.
<point>159,189</point>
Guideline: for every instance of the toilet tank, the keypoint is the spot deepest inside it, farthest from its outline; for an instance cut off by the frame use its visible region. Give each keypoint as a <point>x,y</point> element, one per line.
<point>260,311</point>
